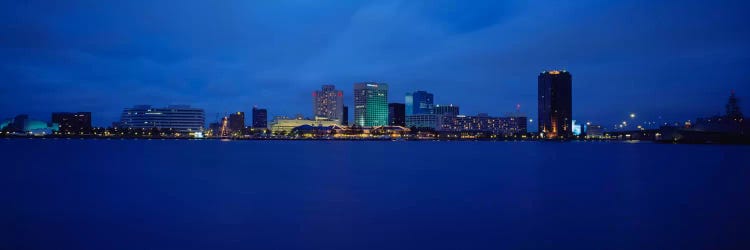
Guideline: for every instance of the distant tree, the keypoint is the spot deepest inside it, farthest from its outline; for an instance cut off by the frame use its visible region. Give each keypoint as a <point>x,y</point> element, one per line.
<point>733,108</point>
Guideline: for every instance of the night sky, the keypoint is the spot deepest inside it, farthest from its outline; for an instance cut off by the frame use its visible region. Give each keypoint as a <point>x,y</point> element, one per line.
<point>676,60</point>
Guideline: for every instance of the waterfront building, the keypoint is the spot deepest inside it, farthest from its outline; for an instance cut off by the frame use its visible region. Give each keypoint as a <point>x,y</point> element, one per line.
<point>448,110</point>
<point>555,104</point>
<point>23,124</point>
<point>237,122</point>
<point>285,125</point>
<point>328,103</point>
<point>506,126</point>
<point>178,118</point>
<point>370,104</point>
<point>419,102</point>
<point>73,123</point>
<point>594,132</point>
<point>345,116</point>
<point>260,118</point>
<point>396,114</point>
<point>422,121</point>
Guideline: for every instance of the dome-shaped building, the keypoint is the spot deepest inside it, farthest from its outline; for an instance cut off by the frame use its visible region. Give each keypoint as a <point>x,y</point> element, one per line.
<point>22,124</point>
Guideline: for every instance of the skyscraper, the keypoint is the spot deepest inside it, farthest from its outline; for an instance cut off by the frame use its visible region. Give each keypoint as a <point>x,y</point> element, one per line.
<point>260,118</point>
<point>370,104</point>
<point>237,121</point>
<point>345,116</point>
<point>555,104</point>
<point>419,103</point>
<point>328,103</point>
<point>396,114</point>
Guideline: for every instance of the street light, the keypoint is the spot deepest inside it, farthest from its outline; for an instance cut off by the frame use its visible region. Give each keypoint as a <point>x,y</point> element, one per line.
<point>632,115</point>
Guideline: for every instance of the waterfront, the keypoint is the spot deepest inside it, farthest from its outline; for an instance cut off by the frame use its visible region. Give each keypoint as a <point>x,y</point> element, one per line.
<point>211,194</point>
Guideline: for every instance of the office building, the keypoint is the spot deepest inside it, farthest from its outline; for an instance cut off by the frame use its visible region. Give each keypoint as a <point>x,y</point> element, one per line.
<point>506,126</point>
<point>237,121</point>
<point>448,110</point>
<point>595,132</point>
<point>260,118</point>
<point>345,116</point>
<point>179,118</point>
<point>328,103</point>
<point>370,104</point>
<point>73,123</point>
<point>422,121</point>
<point>555,104</point>
<point>419,102</point>
<point>396,114</point>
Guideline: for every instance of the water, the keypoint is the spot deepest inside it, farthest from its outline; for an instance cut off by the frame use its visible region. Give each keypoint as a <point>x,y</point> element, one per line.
<point>164,194</point>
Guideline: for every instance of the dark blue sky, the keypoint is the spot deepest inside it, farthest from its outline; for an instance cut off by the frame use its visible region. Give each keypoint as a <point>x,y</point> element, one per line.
<point>674,59</point>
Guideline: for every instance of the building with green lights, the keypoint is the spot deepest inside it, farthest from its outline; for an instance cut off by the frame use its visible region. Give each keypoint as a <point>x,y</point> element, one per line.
<point>370,104</point>
<point>23,124</point>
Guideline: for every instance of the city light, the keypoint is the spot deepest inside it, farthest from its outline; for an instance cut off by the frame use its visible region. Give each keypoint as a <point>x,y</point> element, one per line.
<point>632,115</point>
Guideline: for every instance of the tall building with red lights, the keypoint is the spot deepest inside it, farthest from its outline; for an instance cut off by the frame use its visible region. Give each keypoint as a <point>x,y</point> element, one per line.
<point>328,103</point>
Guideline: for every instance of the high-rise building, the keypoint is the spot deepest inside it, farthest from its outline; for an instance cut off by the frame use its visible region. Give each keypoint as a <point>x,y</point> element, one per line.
<point>260,118</point>
<point>448,110</point>
<point>73,123</point>
<point>419,103</point>
<point>555,104</point>
<point>180,118</point>
<point>237,121</point>
<point>370,104</point>
<point>328,103</point>
<point>345,116</point>
<point>396,114</point>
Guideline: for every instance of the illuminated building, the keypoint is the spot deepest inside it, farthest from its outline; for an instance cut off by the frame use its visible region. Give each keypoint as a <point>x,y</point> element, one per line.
<point>577,128</point>
<point>396,114</point>
<point>555,104</point>
<point>513,125</point>
<point>419,102</point>
<point>370,104</point>
<point>284,124</point>
<point>594,131</point>
<point>345,116</point>
<point>432,121</point>
<point>73,123</point>
<point>237,121</point>
<point>328,103</point>
<point>22,124</point>
<point>448,110</point>
<point>179,118</point>
<point>260,118</point>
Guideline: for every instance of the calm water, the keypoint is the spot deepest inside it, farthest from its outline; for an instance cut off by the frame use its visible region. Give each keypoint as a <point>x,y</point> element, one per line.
<point>155,194</point>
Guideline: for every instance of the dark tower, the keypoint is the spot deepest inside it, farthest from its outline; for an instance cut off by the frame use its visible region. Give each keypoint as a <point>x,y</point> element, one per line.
<point>396,114</point>
<point>345,116</point>
<point>555,104</point>
<point>260,118</point>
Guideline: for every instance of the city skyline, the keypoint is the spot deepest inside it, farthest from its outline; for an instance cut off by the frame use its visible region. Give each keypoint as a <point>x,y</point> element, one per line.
<point>482,56</point>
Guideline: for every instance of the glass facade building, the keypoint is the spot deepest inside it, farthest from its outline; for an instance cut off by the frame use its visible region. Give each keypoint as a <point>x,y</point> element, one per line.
<point>448,110</point>
<point>396,114</point>
<point>555,104</point>
<point>328,103</point>
<point>370,104</point>
<point>180,118</point>
<point>419,102</point>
